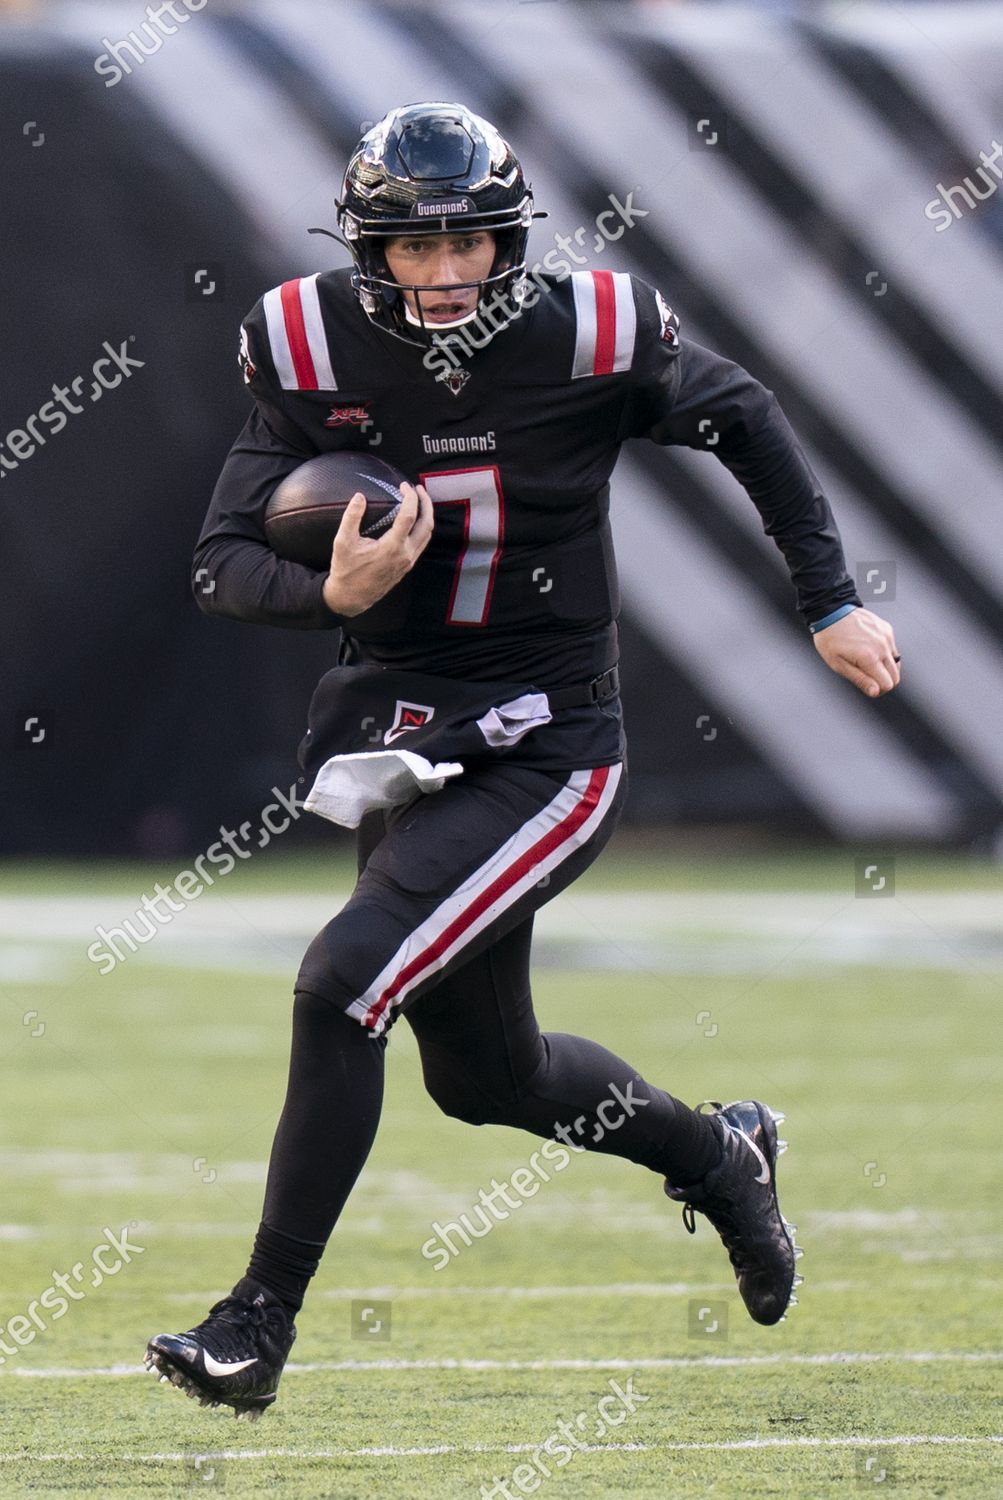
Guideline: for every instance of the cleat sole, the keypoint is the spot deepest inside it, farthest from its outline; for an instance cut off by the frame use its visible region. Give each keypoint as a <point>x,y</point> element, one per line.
<point>157,1363</point>
<point>206,1398</point>
<point>777,1117</point>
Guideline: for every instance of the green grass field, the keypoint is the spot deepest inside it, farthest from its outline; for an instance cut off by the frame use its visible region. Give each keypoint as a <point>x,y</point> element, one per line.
<point>146,1100</point>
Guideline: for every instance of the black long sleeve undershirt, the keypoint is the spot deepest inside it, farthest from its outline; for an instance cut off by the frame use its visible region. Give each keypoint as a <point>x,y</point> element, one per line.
<point>234,572</point>
<point>700,400</point>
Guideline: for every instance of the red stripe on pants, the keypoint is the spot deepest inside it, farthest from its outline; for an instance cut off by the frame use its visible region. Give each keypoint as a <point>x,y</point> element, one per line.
<point>550,841</point>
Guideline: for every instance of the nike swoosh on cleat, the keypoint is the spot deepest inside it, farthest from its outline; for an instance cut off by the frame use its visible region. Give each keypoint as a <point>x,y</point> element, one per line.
<point>764,1175</point>
<point>216,1367</point>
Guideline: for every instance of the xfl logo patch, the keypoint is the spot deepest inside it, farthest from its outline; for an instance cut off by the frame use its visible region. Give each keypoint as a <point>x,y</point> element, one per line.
<point>348,416</point>
<point>408,716</point>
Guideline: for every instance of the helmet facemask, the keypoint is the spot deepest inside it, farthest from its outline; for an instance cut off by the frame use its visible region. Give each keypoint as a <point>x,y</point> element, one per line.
<point>434,169</point>
<point>382,295</point>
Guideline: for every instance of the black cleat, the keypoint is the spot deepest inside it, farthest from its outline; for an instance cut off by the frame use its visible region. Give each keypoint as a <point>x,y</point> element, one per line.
<point>234,1357</point>
<point>739,1197</point>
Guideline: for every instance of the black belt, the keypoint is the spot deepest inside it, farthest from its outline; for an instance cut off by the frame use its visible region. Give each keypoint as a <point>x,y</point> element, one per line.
<point>603,686</point>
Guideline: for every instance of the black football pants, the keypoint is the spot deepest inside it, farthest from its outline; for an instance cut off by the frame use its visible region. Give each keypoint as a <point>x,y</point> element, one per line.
<point>439,927</point>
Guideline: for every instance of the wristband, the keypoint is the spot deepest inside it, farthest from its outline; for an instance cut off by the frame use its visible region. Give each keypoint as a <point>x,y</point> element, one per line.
<point>837,614</point>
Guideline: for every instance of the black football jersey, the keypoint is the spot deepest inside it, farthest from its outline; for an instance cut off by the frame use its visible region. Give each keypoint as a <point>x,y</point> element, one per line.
<point>515,441</point>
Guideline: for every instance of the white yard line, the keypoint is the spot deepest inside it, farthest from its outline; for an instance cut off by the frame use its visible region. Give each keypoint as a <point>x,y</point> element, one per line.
<point>556,1293</point>
<point>679,1362</point>
<point>579,914</point>
<point>904,1440</point>
<point>670,932</point>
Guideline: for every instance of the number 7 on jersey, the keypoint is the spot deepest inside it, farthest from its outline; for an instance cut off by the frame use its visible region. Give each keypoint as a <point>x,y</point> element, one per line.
<point>479,491</point>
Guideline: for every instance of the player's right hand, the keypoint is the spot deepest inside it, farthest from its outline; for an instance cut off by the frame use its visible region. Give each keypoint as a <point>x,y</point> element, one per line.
<point>364,568</point>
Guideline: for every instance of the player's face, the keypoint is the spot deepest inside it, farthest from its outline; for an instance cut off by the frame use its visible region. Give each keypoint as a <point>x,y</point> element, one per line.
<point>442,260</point>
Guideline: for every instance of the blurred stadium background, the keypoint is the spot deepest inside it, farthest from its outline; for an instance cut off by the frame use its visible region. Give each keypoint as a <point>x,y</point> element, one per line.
<point>785,156</point>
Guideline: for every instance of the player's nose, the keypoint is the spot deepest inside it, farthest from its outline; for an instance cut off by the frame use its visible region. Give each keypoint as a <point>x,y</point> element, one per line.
<point>448,270</point>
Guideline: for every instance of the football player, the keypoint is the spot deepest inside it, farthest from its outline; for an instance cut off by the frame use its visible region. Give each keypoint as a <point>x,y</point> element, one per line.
<point>482,624</point>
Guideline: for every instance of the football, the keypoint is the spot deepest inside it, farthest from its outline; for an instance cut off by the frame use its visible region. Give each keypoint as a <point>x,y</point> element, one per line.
<point>303,514</point>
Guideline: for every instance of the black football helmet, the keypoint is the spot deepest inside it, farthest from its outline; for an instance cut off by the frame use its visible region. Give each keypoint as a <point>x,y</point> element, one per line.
<point>433,169</point>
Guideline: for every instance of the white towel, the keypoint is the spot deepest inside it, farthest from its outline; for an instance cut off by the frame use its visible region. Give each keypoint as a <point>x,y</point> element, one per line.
<point>347,786</point>
<point>510,722</point>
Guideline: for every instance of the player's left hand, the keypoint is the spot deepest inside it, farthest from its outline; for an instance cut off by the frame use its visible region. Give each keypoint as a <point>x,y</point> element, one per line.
<point>861,647</point>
